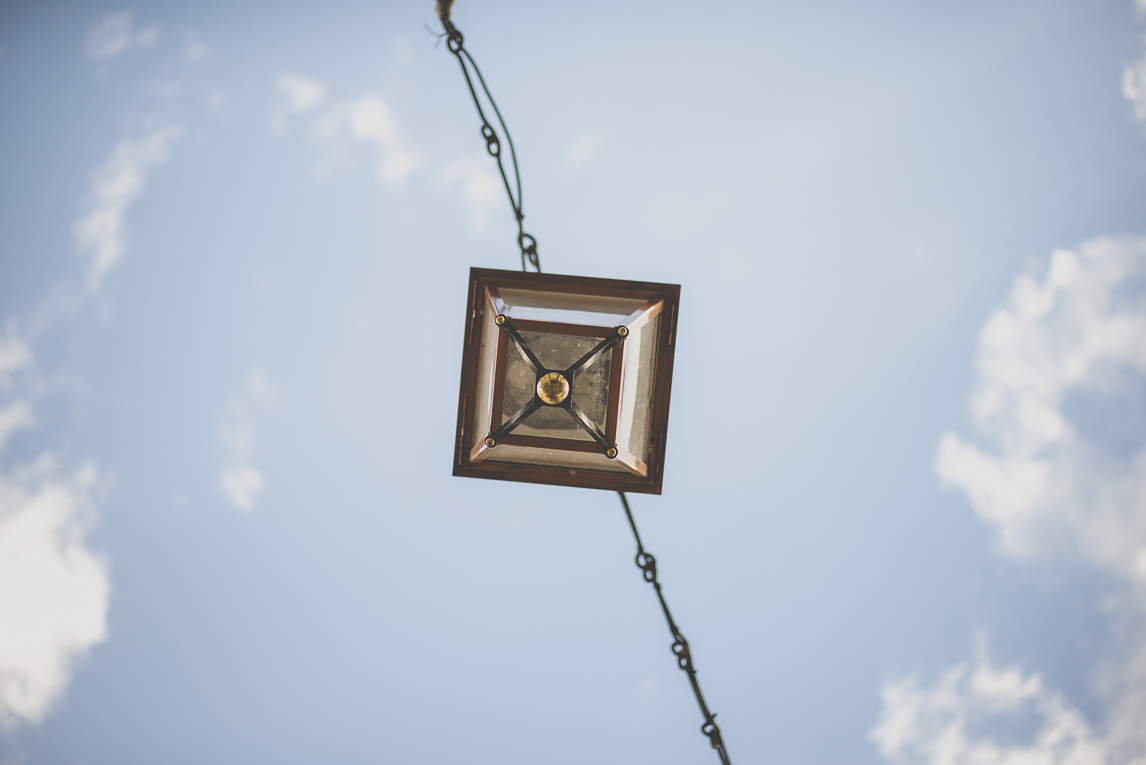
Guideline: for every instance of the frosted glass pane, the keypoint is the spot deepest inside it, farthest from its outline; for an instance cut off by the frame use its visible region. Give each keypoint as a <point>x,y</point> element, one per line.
<point>637,390</point>
<point>552,422</point>
<point>483,400</point>
<point>548,421</point>
<point>591,388</point>
<point>533,456</point>
<point>561,301</point>
<point>590,385</point>
<point>558,351</point>
<point>519,381</point>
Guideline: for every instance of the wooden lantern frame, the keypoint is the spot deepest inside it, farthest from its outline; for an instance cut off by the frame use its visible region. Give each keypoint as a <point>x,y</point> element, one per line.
<point>470,452</point>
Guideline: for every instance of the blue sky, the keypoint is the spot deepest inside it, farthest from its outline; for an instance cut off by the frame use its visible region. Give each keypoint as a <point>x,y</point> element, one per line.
<point>904,508</point>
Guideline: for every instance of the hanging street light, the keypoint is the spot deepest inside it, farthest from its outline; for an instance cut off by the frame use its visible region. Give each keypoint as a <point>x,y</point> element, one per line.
<point>566,380</point>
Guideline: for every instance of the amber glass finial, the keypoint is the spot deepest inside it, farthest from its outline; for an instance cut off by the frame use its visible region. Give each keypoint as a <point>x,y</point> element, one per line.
<point>552,388</point>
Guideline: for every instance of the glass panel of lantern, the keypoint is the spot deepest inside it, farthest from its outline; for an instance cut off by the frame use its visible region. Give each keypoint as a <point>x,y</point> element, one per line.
<point>566,380</point>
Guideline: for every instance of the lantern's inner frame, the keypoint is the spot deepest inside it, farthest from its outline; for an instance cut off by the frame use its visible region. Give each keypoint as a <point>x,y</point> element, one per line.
<point>564,393</point>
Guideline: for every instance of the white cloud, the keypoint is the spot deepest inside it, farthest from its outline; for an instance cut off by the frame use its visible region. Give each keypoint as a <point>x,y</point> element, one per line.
<point>145,38</point>
<point>239,480</point>
<point>241,485</point>
<point>1078,334</point>
<point>1134,85</point>
<point>114,34</point>
<point>482,188</point>
<point>299,94</point>
<point>216,100</point>
<point>951,722</point>
<point>110,36</point>
<point>584,148</point>
<point>197,52</point>
<point>302,93</point>
<point>53,589</point>
<point>115,186</point>
<point>368,118</point>
<point>403,53</point>
<point>14,417</point>
<point>259,388</point>
<point>1049,489</point>
<point>15,355</point>
<point>372,120</point>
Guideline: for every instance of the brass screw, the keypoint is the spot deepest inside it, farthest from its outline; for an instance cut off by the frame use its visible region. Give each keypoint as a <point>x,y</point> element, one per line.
<point>490,442</point>
<point>499,320</point>
<point>623,331</point>
<point>610,452</point>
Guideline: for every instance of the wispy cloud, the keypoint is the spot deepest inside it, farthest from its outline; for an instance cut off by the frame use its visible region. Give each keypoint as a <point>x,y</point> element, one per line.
<point>1050,487</point>
<point>114,34</point>
<point>481,187</point>
<point>367,118</point>
<point>302,93</point>
<point>116,185</point>
<point>239,480</point>
<point>584,148</point>
<point>15,355</point>
<point>1134,87</point>
<point>1134,77</point>
<point>370,119</point>
<point>196,52</point>
<point>53,590</point>
<point>1077,333</point>
<point>16,411</point>
<point>946,723</point>
<point>14,417</point>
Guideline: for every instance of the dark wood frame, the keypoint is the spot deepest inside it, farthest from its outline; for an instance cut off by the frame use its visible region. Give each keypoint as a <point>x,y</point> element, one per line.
<point>482,297</point>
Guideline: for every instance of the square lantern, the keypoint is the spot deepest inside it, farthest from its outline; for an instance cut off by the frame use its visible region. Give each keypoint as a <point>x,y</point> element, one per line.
<point>566,380</point>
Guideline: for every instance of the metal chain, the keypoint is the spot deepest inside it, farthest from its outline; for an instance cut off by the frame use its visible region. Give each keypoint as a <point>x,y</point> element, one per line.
<point>648,566</point>
<point>528,245</point>
<point>456,44</point>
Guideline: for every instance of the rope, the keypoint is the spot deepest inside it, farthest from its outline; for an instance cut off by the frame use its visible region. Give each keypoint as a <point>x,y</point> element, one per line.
<point>528,245</point>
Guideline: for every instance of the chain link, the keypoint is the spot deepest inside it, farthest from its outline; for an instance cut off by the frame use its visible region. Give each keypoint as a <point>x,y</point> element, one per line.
<point>648,566</point>
<point>455,42</point>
